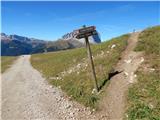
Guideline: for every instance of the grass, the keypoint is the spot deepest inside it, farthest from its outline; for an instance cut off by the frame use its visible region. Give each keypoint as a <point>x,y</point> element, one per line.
<point>144,96</point>
<point>6,61</point>
<point>78,83</point>
<point>149,41</point>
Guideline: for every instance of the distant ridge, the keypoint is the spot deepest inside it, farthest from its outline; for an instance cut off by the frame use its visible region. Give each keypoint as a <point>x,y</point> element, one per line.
<point>13,45</point>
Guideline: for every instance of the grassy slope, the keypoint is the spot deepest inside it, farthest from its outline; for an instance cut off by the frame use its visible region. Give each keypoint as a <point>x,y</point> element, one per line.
<point>6,61</point>
<point>144,96</point>
<point>79,84</point>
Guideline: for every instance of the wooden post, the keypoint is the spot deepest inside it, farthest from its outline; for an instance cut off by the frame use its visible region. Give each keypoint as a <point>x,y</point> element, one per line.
<point>91,63</point>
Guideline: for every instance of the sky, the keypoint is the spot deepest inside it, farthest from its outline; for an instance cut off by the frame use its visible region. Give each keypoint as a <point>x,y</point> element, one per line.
<point>50,20</point>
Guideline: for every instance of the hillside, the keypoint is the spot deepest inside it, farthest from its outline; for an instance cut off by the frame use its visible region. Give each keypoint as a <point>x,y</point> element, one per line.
<point>13,45</point>
<point>70,71</point>
<point>144,95</point>
<point>127,69</point>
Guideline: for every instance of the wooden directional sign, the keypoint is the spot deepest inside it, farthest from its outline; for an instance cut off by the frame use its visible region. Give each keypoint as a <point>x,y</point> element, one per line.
<point>85,32</point>
<point>79,36</point>
<point>87,29</point>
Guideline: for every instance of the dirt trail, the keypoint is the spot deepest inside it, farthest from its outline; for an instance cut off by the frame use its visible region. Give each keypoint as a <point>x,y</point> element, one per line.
<point>26,95</point>
<point>113,104</point>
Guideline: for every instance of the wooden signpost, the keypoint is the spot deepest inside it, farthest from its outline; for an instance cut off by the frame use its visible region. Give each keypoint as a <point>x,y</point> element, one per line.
<point>85,32</point>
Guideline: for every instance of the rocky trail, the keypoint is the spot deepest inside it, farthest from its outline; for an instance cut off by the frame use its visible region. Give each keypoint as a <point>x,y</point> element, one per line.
<point>113,104</point>
<point>26,94</point>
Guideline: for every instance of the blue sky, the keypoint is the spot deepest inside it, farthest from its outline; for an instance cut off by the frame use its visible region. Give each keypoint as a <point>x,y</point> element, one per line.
<point>50,20</point>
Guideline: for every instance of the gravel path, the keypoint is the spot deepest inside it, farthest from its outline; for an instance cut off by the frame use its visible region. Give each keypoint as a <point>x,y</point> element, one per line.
<point>27,96</point>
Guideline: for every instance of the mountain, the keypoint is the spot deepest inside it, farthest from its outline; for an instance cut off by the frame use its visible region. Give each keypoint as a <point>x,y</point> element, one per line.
<point>13,45</point>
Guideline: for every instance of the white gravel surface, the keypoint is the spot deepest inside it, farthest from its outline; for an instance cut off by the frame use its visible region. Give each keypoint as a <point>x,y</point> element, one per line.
<point>27,96</point>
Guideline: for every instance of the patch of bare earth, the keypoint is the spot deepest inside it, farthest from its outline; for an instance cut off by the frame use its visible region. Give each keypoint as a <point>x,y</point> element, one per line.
<point>112,107</point>
<point>27,96</point>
